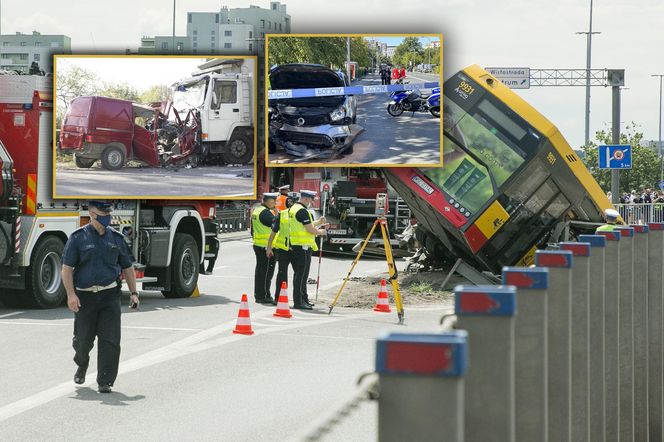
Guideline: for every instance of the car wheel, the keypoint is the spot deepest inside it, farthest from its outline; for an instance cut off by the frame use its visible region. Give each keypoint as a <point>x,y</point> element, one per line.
<point>435,111</point>
<point>184,267</point>
<point>83,163</point>
<point>238,150</point>
<point>395,109</point>
<point>112,158</point>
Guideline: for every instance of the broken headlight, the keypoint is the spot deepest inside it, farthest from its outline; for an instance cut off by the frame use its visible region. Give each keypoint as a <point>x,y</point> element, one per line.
<point>338,114</point>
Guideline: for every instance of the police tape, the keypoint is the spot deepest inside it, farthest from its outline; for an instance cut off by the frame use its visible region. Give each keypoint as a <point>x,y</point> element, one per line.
<point>348,90</point>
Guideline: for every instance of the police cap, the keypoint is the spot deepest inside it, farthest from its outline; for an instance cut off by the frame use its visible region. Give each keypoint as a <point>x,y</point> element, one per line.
<point>104,206</point>
<point>269,195</point>
<point>307,194</point>
<point>284,188</point>
<point>611,214</point>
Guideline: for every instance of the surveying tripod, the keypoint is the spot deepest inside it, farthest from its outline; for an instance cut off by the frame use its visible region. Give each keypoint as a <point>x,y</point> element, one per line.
<point>391,267</point>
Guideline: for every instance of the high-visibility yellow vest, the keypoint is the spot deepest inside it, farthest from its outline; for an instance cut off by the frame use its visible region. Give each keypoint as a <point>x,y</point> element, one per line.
<point>298,234</point>
<point>606,228</point>
<point>281,240</point>
<point>261,232</point>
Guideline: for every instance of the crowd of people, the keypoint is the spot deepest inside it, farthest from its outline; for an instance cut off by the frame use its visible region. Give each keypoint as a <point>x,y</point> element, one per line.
<point>645,196</point>
<point>387,74</point>
<point>637,207</point>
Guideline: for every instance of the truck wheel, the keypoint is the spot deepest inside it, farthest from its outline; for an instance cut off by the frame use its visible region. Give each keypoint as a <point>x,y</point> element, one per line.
<point>44,288</point>
<point>112,158</point>
<point>83,163</point>
<point>238,150</point>
<point>184,267</point>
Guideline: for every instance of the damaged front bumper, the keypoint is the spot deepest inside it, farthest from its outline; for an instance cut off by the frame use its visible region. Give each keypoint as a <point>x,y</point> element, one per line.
<point>322,141</point>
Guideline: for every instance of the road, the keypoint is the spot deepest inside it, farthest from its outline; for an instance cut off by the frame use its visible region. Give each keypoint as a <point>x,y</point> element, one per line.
<point>407,139</point>
<point>185,376</point>
<point>207,181</point>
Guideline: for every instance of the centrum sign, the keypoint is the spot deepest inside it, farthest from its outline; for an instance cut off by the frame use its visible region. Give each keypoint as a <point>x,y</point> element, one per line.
<point>514,78</point>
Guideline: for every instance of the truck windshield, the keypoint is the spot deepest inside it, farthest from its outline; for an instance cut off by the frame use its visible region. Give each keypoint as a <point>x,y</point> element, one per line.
<point>189,96</point>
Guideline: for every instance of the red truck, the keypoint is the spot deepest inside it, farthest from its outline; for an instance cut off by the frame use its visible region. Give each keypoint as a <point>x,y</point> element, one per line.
<point>172,241</point>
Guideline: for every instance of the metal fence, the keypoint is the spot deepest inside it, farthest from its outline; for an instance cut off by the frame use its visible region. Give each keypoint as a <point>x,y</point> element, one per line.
<point>233,220</point>
<point>641,213</point>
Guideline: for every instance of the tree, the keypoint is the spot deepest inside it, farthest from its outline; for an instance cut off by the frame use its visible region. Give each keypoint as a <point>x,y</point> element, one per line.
<point>160,92</point>
<point>73,81</point>
<point>645,163</point>
<point>123,91</point>
<point>408,52</point>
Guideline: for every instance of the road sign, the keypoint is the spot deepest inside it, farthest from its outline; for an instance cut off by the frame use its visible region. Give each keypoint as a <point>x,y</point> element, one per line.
<point>618,156</point>
<point>514,78</point>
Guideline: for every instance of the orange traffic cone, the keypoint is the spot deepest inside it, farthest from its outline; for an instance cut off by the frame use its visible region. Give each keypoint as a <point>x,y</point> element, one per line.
<point>283,309</point>
<point>382,303</point>
<point>243,325</point>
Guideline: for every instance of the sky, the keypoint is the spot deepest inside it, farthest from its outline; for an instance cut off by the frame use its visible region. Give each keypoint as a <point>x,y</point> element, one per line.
<point>396,41</point>
<point>523,33</point>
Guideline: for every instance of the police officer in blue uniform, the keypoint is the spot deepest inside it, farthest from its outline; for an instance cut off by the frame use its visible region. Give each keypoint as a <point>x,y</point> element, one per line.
<point>93,259</point>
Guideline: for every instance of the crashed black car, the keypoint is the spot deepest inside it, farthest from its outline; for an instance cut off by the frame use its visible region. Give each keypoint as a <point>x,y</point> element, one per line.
<point>314,127</point>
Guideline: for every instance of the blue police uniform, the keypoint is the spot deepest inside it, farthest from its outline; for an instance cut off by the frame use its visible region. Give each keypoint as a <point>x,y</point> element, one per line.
<point>97,261</point>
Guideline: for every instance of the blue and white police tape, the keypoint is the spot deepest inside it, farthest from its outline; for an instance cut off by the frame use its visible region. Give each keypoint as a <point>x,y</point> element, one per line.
<point>349,90</point>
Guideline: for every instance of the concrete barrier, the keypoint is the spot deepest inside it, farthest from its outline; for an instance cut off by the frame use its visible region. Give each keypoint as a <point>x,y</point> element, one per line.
<point>655,330</point>
<point>611,306</point>
<point>559,332</point>
<point>487,313</point>
<point>421,386</point>
<point>640,309</point>
<point>530,351</point>
<point>626,333</point>
<point>580,338</point>
<point>596,336</point>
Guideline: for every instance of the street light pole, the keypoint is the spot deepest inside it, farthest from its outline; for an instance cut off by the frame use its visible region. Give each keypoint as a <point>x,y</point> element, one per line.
<point>661,162</point>
<point>589,38</point>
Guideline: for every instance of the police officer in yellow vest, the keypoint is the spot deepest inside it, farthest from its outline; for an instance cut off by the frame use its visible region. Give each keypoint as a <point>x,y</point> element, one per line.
<point>262,218</point>
<point>278,243</point>
<point>611,217</point>
<point>302,235</point>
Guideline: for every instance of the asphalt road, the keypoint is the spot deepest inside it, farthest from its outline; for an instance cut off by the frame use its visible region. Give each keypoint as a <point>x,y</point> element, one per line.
<point>185,376</point>
<point>407,139</point>
<point>207,181</point>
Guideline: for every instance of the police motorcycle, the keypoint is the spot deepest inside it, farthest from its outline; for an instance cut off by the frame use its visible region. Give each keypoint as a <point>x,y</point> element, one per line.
<point>414,101</point>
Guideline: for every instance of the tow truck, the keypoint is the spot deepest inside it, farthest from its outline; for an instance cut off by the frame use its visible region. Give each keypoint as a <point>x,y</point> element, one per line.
<point>172,241</point>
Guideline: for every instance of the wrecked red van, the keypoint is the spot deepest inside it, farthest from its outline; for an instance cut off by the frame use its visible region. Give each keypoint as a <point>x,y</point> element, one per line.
<point>110,130</point>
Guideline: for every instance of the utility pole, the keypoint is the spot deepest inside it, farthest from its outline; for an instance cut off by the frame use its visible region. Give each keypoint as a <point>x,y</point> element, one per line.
<point>616,79</point>
<point>174,26</point>
<point>589,37</point>
<point>348,58</point>
<point>659,144</point>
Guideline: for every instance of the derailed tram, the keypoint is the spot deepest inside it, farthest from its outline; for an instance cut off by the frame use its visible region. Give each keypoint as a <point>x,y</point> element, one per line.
<point>509,178</point>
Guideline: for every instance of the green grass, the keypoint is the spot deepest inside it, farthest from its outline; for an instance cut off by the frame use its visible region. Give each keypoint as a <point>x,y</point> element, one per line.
<point>421,288</point>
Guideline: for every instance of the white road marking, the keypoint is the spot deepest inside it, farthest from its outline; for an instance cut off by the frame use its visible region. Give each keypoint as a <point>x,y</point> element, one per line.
<point>197,342</point>
<point>10,314</point>
<point>69,323</point>
<point>300,335</point>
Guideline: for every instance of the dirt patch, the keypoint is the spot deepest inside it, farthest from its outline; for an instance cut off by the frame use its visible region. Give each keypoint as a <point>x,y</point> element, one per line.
<point>416,289</point>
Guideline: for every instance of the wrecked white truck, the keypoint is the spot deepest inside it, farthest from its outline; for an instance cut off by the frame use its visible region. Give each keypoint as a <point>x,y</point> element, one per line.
<point>311,127</point>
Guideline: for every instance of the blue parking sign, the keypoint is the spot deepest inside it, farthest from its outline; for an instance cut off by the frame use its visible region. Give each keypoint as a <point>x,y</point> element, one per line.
<point>615,156</point>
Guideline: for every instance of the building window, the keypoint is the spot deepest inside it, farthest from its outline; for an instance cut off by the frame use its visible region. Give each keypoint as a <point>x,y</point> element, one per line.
<point>216,19</point>
<point>212,32</point>
<point>212,38</point>
<point>274,6</point>
<point>213,44</point>
<point>251,34</point>
<point>228,33</point>
<point>280,26</point>
<point>195,44</point>
<point>23,56</point>
<point>195,32</point>
<point>195,51</point>
<point>251,47</point>
<point>189,18</point>
<point>23,43</point>
<point>179,46</point>
<point>212,51</point>
<point>269,25</point>
<point>263,24</point>
<point>227,45</point>
<point>38,43</point>
<point>164,45</point>
<point>37,57</point>
<point>195,38</point>
<point>5,43</point>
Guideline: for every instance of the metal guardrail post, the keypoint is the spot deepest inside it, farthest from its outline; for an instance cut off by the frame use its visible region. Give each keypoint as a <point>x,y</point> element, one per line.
<point>655,330</point>
<point>580,339</point>
<point>640,332</point>
<point>530,351</point>
<point>611,310</point>
<point>626,333</point>
<point>421,386</point>
<point>487,313</point>
<point>559,335</point>
<point>596,335</point>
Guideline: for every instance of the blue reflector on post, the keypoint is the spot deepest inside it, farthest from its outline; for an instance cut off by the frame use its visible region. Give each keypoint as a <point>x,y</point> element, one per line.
<point>526,277</point>
<point>485,300</point>
<point>441,354</point>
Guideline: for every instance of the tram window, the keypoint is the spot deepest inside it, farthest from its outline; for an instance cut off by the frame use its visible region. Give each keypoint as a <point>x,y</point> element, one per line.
<point>463,178</point>
<point>557,207</point>
<point>484,142</point>
<point>529,180</point>
<point>542,196</point>
<point>517,132</point>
